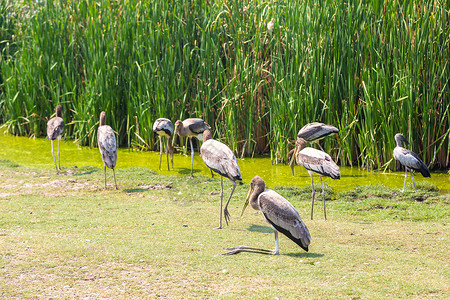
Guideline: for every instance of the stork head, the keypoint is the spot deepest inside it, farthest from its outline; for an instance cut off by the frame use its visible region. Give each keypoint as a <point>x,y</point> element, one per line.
<point>59,111</point>
<point>207,135</point>
<point>178,125</point>
<point>102,118</point>
<point>399,138</point>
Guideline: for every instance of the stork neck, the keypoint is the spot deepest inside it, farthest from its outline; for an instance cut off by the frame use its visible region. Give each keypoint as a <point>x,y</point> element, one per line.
<point>59,111</point>
<point>254,196</point>
<point>301,144</point>
<point>102,118</point>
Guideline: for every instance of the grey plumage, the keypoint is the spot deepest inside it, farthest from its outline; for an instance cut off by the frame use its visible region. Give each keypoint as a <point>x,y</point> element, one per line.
<point>315,161</point>
<point>313,132</point>
<point>164,128</point>
<point>55,127</point>
<point>279,213</point>
<point>220,159</point>
<point>190,128</point>
<point>107,145</point>
<point>409,159</point>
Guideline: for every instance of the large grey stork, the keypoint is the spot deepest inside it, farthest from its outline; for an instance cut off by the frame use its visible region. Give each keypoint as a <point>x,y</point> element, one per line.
<point>409,159</point>
<point>55,127</point>
<point>313,133</point>
<point>107,145</point>
<point>164,128</point>
<point>315,161</point>
<point>190,128</point>
<point>220,159</point>
<point>279,213</point>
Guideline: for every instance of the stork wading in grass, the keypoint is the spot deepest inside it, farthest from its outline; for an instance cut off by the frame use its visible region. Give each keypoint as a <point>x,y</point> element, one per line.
<point>314,161</point>
<point>164,128</point>
<point>410,160</point>
<point>220,159</point>
<point>55,127</point>
<point>191,128</point>
<point>279,213</point>
<point>107,145</point>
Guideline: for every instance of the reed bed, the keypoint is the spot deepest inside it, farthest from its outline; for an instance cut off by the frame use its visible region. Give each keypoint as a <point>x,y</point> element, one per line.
<point>371,68</point>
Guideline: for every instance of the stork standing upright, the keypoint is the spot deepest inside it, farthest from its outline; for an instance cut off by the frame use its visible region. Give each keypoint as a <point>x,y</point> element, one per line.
<point>313,133</point>
<point>190,128</point>
<point>164,128</point>
<point>220,159</point>
<point>107,145</point>
<point>55,127</point>
<point>409,159</point>
<point>279,213</point>
<point>315,161</point>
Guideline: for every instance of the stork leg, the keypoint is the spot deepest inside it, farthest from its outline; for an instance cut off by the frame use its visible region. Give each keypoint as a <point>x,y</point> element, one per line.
<point>104,168</point>
<point>313,194</point>
<point>192,156</point>
<point>115,182</point>
<point>404,183</point>
<point>323,197</point>
<point>59,156</point>
<point>221,198</point>
<point>412,176</point>
<point>167,153</point>
<point>54,159</point>
<point>277,249</point>
<point>225,211</point>
<point>160,151</point>
<point>239,249</point>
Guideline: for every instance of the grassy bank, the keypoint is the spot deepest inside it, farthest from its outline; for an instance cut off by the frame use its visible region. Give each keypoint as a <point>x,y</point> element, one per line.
<point>63,236</point>
<point>371,68</point>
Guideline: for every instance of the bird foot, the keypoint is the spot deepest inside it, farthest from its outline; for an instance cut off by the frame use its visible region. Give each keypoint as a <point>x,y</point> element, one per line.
<point>226,215</point>
<point>218,227</point>
<point>239,249</point>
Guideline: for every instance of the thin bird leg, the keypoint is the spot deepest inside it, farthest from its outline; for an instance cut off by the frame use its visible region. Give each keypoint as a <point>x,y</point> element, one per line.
<point>104,168</point>
<point>160,151</point>
<point>404,183</point>
<point>192,155</point>
<point>412,176</point>
<point>221,198</point>
<point>225,211</point>
<point>313,194</point>
<point>212,174</point>
<point>115,182</point>
<point>167,154</point>
<point>323,197</point>
<point>59,157</point>
<point>320,146</point>
<point>277,249</point>
<point>54,159</point>
<point>239,249</point>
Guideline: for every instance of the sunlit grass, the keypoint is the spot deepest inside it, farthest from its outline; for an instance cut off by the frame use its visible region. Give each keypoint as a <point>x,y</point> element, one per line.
<point>64,236</point>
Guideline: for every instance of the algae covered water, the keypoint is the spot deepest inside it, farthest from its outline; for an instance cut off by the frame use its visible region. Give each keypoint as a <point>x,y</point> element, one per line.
<point>36,152</point>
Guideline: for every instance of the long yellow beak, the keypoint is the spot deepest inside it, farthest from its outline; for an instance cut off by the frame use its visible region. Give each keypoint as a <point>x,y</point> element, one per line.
<point>292,162</point>
<point>250,191</point>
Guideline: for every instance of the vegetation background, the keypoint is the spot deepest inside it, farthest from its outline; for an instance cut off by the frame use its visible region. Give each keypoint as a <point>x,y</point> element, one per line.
<point>371,68</point>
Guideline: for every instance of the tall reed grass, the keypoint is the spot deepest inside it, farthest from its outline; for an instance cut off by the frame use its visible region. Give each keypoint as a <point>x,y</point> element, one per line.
<point>371,68</point>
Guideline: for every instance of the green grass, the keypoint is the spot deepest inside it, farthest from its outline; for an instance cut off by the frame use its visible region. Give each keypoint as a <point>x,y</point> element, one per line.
<point>64,236</point>
<point>370,68</point>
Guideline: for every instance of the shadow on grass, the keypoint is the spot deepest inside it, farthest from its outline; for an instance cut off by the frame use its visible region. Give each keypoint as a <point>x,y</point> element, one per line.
<point>303,254</point>
<point>188,171</point>
<point>259,228</point>
<point>86,171</point>
<point>136,190</point>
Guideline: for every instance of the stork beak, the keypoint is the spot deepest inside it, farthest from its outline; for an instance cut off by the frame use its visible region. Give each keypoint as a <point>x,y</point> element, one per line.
<point>174,135</point>
<point>292,162</point>
<point>250,191</point>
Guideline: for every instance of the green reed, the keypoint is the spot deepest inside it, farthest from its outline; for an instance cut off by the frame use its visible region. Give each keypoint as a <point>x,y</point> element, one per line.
<point>370,68</point>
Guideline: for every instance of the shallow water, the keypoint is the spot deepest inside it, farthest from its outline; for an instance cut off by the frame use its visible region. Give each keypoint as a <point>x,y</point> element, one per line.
<point>36,152</point>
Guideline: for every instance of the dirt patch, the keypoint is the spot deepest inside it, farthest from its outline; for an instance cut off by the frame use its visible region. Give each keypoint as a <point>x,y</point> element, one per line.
<point>156,187</point>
